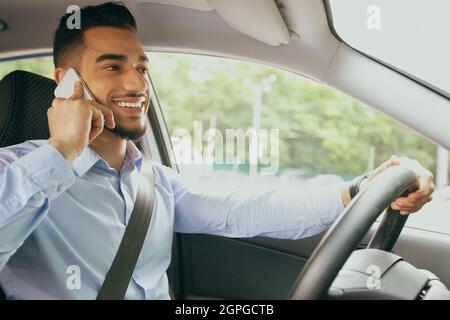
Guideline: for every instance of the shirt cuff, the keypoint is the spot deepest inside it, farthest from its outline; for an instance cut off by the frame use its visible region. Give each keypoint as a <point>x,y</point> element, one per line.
<point>47,168</point>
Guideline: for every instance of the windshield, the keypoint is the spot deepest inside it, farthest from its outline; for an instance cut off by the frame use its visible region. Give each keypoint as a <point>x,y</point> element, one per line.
<point>411,36</point>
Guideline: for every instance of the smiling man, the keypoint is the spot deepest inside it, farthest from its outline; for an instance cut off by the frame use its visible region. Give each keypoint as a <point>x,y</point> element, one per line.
<point>65,201</point>
<point>111,60</point>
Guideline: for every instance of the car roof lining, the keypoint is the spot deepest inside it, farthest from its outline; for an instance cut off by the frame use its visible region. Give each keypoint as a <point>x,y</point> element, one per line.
<point>175,28</point>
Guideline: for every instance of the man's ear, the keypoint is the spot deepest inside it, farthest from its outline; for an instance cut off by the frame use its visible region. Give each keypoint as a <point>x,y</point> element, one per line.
<point>59,74</point>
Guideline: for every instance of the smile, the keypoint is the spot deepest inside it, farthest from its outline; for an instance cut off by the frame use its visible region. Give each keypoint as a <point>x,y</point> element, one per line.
<point>129,104</point>
<point>134,104</point>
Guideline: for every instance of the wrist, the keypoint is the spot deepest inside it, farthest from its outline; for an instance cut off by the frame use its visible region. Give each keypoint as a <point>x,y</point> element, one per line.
<point>345,193</point>
<point>68,153</point>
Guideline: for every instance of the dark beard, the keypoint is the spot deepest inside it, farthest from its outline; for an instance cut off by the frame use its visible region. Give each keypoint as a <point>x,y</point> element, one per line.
<point>129,134</point>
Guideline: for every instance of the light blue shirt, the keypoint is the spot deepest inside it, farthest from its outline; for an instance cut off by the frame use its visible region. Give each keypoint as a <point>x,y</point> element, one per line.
<point>61,225</point>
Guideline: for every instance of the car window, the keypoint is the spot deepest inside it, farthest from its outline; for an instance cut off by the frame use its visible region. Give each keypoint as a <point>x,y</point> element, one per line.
<point>309,133</point>
<point>405,34</point>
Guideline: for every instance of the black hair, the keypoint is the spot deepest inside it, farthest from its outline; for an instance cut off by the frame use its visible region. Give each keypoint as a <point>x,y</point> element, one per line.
<point>68,42</point>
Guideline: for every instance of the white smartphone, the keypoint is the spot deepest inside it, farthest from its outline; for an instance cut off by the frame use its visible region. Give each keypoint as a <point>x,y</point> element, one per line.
<point>67,85</point>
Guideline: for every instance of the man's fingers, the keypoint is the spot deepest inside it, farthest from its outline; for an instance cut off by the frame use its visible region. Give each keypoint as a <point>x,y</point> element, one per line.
<point>406,207</point>
<point>393,161</point>
<point>403,206</point>
<point>96,125</point>
<point>408,203</point>
<point>403,211</point>
<point>57,101</point>
<point>419,194</point>
<point>107,113</point>
<point>432,186</point>
<point>415,196</point>
<point>412,200</point>
<point>77,91</point>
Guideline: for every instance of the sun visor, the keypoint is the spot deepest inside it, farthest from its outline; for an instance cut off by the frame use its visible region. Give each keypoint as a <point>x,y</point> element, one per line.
<point>201,5</point>
<point>259,19</point>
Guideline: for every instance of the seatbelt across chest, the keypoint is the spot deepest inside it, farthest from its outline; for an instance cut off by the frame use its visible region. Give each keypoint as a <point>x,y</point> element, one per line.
<point>119,275</point>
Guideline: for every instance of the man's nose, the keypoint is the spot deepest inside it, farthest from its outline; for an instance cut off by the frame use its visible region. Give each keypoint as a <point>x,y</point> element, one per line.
<point>134,81</point>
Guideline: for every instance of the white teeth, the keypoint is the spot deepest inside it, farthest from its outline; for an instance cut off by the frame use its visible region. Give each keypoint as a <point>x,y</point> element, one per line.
<point>129,104</point>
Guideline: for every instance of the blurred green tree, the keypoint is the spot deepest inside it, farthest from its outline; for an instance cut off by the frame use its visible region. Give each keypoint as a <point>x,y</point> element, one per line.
<point>321,129</point>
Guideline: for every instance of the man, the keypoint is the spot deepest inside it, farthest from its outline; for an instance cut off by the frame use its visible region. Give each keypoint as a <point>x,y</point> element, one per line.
<point>65,202</point>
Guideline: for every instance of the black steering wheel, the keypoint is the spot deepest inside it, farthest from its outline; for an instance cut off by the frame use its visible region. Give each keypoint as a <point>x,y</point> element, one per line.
<point>346,233</point>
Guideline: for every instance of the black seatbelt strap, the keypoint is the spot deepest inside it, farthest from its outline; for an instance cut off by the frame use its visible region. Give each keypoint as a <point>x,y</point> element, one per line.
<point>119,275</point>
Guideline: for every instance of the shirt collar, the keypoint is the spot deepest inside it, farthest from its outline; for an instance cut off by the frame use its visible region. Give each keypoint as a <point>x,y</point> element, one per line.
<point>88,158</point>
<point>133,157</point>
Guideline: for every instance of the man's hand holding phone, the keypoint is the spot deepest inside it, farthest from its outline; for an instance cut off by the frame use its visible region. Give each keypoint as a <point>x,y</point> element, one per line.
<point>75,122</point>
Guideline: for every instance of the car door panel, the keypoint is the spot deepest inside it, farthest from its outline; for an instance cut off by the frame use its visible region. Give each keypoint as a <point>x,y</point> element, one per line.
<point>263,268</point>
<point>237,269</point>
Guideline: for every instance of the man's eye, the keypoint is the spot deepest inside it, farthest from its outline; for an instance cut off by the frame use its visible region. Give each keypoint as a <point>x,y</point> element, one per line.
<point>112,68</point>
<point>142,70</point>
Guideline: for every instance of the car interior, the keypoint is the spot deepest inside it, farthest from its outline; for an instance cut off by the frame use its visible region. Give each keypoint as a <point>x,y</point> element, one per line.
<point>294,35</point>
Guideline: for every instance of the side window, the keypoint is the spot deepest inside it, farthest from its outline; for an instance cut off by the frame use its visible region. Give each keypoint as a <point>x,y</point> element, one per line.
<point>294,130</point>
<point>41,65</point>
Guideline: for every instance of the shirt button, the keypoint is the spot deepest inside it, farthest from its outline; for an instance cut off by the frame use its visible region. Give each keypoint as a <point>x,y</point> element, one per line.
<point>55,174</point>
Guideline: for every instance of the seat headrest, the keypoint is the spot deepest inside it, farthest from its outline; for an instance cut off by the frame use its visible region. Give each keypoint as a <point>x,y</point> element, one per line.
<point>24,100</point>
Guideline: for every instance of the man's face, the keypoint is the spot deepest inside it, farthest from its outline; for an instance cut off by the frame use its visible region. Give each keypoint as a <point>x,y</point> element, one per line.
<point>113,65</point>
